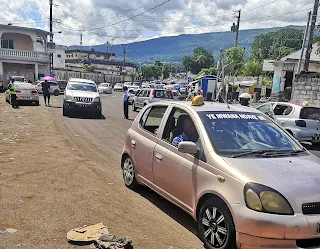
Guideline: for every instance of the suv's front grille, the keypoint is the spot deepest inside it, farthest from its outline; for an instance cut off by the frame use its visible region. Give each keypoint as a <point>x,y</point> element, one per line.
<point>311,208</point>
<point>83,99</point>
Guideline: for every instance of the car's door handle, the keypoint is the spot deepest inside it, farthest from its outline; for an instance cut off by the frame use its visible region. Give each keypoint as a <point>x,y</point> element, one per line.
<point>158,156</point>
<point>133,143</point>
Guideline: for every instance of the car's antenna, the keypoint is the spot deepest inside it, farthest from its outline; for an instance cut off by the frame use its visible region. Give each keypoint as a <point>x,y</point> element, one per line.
<point>226,102</point>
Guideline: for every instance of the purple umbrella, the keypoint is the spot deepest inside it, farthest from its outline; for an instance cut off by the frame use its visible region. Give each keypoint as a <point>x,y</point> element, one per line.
<point>48,78</point>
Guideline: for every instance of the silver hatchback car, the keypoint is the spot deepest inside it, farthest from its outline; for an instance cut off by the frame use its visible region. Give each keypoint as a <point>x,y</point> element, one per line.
<point>147,96</point>
<point>303,122</point>
<point>245,180</point>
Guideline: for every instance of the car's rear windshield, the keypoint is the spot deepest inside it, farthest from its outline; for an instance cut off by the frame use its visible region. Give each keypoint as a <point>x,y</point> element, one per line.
<point>310,113</point>
<point>105,84</point>
<point>19,79</point>
<point>237,132</point>
<point>78,86</point>
<point>161,94</point>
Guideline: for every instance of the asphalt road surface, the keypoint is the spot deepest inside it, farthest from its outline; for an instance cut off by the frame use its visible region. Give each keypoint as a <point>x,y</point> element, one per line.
<point>59,173</point>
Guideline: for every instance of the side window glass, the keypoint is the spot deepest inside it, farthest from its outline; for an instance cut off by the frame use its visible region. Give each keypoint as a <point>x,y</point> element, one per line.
<point>146,93</point>
<point>288,110</point>
<point>280,109</point>
<point>140,94</point>
<point>265,108</point>
<point>154,119</point>
<point>144,117</point>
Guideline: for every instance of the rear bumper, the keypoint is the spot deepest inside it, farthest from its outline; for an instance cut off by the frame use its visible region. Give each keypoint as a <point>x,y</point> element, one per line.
<point>255,229</point>
<point>305,135</point>
<point>28,99</point>
<point>82,107</point>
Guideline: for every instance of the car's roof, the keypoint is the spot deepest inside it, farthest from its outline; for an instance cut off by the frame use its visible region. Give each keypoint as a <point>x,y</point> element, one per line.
<point>81,80</point>
<point>213,107</point>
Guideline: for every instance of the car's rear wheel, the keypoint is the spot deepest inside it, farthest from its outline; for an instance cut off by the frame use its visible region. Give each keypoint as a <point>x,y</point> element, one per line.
<point>56,92</point>
<point>128,172</point>
<point>216,226</point>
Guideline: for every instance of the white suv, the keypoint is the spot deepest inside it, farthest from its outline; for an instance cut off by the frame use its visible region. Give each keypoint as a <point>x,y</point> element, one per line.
<point>81,95</point>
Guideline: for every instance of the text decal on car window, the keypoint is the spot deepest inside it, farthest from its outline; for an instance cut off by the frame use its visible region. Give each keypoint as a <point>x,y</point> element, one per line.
<point>234,116</point>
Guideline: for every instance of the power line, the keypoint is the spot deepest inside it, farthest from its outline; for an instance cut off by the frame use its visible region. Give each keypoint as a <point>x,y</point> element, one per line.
<point>260,6</point>
<point>130,18</point>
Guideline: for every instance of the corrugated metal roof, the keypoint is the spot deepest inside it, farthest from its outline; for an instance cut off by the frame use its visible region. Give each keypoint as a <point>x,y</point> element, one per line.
<point>296,55</point>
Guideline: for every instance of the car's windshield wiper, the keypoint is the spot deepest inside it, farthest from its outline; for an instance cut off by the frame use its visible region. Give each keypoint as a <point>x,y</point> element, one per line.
<point>268,153</point>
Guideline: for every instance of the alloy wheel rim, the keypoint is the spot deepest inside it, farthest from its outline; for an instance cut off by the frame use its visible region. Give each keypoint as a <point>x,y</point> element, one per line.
<point>128,172</point>
<point>215,227</point>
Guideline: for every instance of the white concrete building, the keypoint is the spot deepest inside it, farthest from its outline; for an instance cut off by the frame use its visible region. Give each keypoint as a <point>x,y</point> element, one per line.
<point>59,57</point>
<point>23,52</point>
<point>286,69</point>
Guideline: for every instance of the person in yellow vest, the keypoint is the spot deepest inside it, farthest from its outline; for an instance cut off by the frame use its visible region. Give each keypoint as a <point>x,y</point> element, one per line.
<point>13,94</point>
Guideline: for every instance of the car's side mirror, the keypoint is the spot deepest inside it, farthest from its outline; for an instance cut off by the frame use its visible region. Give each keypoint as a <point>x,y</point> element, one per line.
<point>188,148</point>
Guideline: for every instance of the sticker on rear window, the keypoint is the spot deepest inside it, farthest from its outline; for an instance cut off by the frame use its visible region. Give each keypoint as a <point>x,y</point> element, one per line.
<point>234,116</point>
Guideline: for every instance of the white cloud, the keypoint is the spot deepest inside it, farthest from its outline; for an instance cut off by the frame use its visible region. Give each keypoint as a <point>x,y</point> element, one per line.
<point>173,18</point>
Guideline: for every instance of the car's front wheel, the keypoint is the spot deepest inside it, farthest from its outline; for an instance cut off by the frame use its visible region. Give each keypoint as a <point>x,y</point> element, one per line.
<point>128,172</point>
<point>56,92</point>
<point>65,112</point>
<point>216,226</point>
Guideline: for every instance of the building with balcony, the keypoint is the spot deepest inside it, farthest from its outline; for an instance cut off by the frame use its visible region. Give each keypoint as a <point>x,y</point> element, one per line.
<point>23,52</point>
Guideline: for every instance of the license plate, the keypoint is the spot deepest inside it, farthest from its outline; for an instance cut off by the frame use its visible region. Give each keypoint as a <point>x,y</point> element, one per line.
<point>83,105</point>
<point>25,97</point>
<point>316,137</point>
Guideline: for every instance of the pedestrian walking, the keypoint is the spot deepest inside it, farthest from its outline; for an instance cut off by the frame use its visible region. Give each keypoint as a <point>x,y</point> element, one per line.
<point>125,102</point>
<point>46,92</point>
<point>13,94</point>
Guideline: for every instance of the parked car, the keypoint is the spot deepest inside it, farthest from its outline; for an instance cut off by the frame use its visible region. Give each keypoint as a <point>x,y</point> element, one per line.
<point>242,178</point>
<point>26,92</point>
<point>62,85</point>
<point>127,84</point>
<point>18,78</point>
<point>147,96</point>
<point>105,88</point>
<point>303,122</point>
<point>176,94</point>
<point>54,88</point>
<point>132,93</point>
<point>81,95</point>
<point>134,88</point>
<point>118,87</point>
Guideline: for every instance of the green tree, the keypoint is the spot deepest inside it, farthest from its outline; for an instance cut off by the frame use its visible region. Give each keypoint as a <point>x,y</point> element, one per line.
<point>277,44</point>
<point>252,68</point>
<point>201,58</point>
<point>88,68</point>
<point>207,71</point>
<point>235,59</point>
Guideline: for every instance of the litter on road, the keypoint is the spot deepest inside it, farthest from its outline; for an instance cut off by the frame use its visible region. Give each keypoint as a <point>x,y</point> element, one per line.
<point>99,235</point>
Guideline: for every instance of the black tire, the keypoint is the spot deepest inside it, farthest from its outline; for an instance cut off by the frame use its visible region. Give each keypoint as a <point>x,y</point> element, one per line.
<point>128,173</point>
<point>218,229</point>
<point>134,108</point>
<point>65,112</point>
<point>56,92</point>
<point>36,103</point>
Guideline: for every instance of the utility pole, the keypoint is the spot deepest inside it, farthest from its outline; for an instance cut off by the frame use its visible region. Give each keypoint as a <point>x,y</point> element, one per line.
<point>304,42</point>
<point>311,36</point>
<point>235,28</point>
<point>51,35</point>
<point>219,76</point>
<point>124,59</point>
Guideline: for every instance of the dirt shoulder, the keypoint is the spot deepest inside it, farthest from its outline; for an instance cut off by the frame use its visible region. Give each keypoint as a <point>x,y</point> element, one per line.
<point>54,177</point>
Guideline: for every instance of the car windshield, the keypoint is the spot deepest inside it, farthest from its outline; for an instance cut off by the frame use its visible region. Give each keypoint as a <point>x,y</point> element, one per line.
<point>104,85</point>
<point>19,79</point>
<point>118,85</point>
<point>79,86</point>
<point>161,94</point>
<point>310,113</point>
<point>237,132</point>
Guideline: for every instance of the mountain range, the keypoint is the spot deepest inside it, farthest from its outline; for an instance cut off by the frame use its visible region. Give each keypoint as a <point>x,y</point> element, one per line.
<point>173,48</point>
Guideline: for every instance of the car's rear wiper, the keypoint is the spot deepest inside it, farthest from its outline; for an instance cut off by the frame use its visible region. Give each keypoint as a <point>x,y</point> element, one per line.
<point>269,153</point>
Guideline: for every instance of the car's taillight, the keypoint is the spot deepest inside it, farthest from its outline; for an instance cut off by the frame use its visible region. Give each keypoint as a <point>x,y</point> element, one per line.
<point>34,92</point>
<point>152,93</point>
<point>301,123</point>
<point>17,96</point>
